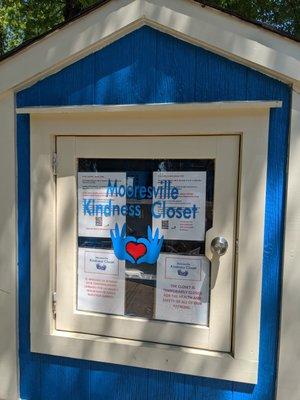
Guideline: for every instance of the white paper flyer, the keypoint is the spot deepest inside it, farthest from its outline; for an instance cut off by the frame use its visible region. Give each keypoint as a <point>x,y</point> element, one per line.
<point>101,281</point>
<point>180,213</point>
<point>182,289</point>
<point>99,208</point>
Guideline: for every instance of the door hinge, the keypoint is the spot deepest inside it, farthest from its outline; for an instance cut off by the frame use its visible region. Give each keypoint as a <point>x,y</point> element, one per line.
<point>54,164</point>
<point>237,247</point>
<point>54,304</point>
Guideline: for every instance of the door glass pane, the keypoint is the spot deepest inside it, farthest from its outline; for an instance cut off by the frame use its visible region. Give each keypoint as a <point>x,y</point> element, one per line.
<point>141,237</point>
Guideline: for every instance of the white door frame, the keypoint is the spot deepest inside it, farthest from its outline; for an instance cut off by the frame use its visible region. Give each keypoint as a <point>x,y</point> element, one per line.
<point>8,252</point>
<point>248,119</point>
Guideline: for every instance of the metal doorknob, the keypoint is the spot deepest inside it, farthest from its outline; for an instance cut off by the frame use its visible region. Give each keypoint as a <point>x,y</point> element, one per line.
<point>219,245</point>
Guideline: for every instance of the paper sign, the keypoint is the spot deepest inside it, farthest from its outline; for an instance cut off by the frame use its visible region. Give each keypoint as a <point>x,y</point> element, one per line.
<point>101,281</point>
<point>180,215</point>
<point>98,208</point>
<point>182,289</point>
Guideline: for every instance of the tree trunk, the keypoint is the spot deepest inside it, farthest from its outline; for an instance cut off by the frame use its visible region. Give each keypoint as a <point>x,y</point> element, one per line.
<point>1,41</point>
<point>72,8</point>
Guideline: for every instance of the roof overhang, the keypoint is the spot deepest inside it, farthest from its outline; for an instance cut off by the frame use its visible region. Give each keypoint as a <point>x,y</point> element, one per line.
<point>214,30</point>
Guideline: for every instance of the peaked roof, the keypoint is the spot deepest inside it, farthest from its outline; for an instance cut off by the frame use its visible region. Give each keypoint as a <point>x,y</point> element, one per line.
<point>247,42</point>
<point>100,3</point>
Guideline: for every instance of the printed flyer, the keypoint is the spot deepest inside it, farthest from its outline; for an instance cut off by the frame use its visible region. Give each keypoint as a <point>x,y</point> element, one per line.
<point>99,208</point>
<point>182,289</point>
<point>182,215</point>
<point>101,281</point>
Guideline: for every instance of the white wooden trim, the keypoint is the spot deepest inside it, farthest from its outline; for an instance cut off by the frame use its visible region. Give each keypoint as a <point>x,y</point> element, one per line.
<point>146,355</point>
<point>288,384</point>
<point>70,43</point>
<point>226,36</point>
<point>226,105</point>
<point>252,125</point>
<point>8,264</point>
<point>216,31</point>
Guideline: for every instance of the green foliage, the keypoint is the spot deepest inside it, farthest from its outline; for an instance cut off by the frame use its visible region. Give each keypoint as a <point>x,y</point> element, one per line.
<point>87,3</point>
<point>21,20</point>
<point>280,14</point>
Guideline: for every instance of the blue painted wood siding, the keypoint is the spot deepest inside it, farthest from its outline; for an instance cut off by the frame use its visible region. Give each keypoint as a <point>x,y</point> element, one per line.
<point>148,66</point>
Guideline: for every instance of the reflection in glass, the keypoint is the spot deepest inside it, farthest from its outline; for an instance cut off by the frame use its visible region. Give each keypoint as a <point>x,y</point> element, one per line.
<point>171,197</point>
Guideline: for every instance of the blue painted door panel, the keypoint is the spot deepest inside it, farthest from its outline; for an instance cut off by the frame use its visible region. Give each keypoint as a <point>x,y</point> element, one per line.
<point>148,66</point>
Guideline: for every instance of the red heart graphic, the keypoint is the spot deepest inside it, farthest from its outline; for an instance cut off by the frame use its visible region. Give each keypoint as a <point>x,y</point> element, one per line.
<point>136,250</point>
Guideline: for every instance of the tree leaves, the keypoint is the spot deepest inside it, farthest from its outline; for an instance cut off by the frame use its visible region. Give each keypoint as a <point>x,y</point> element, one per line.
<point>21,20</point>
<point>283,15</point>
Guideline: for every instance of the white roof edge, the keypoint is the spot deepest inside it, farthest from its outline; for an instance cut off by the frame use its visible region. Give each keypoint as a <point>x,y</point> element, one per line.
<point>216,31</point>
<point>228,105</point>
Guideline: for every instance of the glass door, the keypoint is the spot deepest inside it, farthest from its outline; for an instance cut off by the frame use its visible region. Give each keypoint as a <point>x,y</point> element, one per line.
<point>136,219</point>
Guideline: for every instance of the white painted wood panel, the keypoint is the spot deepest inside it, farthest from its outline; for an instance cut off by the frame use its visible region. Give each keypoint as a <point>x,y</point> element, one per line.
<point>288,382</point>
<point>8,242</point>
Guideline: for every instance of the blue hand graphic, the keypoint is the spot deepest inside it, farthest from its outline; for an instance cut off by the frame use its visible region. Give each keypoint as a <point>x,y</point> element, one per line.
<point>119,243</point>
<point>153,247</point>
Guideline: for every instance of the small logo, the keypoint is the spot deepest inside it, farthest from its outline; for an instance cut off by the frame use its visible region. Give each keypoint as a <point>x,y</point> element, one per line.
<point>182,273</point>
<point>101,267</point>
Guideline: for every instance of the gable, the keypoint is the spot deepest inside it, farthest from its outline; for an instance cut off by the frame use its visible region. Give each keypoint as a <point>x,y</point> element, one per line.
<point>148,66</point>
<point>223,34</point>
